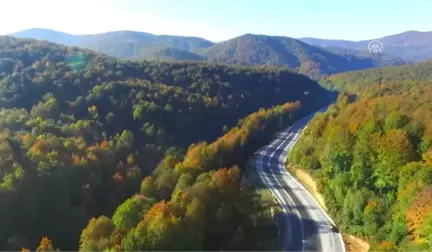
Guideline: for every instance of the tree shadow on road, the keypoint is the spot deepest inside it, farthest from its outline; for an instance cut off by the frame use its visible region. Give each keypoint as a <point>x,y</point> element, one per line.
<point>300,234</point>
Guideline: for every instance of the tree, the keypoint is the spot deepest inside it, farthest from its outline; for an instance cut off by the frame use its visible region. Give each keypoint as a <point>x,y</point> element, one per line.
<point>126,138</point>
<point>95,237</point>
<point>419,210</point>
<point>394,150</point>
<point>148,188</point>
<point>130,212</point>
<point>395,120</point>
<point>45,245</point>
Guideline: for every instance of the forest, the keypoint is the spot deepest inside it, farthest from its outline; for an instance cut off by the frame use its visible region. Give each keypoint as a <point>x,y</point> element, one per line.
<point>247,49</point>
<point>102,154</point>
<point>370,154</point>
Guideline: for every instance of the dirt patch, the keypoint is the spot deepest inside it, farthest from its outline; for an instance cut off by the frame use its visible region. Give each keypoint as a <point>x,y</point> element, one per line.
<point>307,180</point>
<point>355,244</point>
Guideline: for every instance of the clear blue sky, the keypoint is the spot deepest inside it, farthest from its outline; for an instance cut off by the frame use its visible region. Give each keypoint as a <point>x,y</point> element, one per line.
<point>218,20</point>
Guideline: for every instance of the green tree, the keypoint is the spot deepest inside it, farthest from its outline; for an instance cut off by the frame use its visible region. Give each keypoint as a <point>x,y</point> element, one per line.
<point>130,212</point>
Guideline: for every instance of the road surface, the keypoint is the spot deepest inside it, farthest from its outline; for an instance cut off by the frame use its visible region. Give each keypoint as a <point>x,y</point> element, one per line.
<point>307,227</point>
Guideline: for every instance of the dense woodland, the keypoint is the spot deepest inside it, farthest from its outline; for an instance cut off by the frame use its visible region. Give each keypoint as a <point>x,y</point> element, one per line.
<point>247,49</point>
<point>315,62</point>
<point>100,154</point>
<point>372,156</point>
<point>381,81</point>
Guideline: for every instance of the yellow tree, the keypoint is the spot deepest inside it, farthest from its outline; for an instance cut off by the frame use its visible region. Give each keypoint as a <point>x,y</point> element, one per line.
<point>419,210</point>
<point>45,245</point>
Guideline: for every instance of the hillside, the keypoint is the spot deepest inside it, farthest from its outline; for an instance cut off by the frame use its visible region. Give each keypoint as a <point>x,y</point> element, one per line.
<point>123,44</point>
<point>244,50</point>
<point>411,46</point>
<point>252,49</point>
<point>383,60</point>
<point>80,132</point>
<point>377,81</point>
<point>163,53</point>
<point>371,157</point>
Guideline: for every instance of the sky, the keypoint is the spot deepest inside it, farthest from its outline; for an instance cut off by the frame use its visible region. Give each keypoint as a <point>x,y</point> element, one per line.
<point>219,20</point>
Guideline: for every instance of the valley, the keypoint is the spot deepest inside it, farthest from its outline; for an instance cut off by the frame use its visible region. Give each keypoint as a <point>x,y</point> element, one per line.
<point>132,141</point>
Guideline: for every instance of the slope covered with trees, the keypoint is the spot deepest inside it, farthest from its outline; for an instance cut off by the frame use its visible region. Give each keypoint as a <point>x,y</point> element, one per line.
<point>315,62</point>
<point>248,49</point>
<point>190,202</point>
<point>381,80</point>
<point>372,157</point>
<point>123,44</point>
<point>79,132</point>
<point>165,53</point>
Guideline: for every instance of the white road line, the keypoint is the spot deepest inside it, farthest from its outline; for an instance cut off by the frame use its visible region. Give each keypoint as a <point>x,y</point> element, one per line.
<point>284,142</point>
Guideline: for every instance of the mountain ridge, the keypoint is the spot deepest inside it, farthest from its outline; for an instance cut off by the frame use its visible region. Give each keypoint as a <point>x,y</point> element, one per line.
<point>247,49</point>
<point>411,45</point>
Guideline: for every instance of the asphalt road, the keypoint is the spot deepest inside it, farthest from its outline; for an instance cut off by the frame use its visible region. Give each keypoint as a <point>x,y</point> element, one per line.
<point>306,226</point>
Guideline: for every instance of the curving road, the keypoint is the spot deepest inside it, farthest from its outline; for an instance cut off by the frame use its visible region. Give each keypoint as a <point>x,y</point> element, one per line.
<point>307,227</point>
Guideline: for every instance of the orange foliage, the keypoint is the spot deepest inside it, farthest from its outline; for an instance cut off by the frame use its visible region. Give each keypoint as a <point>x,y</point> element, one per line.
<point>193,154</point>
<point>353,126</point>
<point>229,140</point>
<point>27,138</point>
<point>160,208</point>
<point>104,144</point>
<point>419,209</point>
<point>291,106</point>
<point>45,245</point>
<point>372,204</point>
<point>76,159</point>
<point>25,250</point>
<point>91,148</point>
<point>200,155</point>
<point>427,156</point>
<point>118,178</point>
<point>39,146</point>
<point>226,179</point>
<point>385,246</point>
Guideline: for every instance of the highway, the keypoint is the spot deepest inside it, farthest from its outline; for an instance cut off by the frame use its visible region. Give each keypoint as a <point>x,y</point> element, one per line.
<point>307,227</point>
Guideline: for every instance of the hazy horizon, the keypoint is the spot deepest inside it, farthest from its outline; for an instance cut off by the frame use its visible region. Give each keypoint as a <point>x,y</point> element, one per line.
<point>34,28</point>
<point>221,20</point>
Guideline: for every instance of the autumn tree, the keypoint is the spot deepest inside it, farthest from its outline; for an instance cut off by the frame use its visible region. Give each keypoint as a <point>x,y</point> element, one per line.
<point>95,237</point>
<point>45,245</point>
<point>419,210</point>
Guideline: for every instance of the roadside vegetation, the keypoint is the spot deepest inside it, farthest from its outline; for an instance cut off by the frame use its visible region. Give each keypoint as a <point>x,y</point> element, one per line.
<point>102,154</point>
<point>371,158</point>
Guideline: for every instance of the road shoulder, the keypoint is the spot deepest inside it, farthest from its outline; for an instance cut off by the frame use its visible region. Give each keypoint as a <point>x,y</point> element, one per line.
<point>352,243</point>
<point>307,181</point>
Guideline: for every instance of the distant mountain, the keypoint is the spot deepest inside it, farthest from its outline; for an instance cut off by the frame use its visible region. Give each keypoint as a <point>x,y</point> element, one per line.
<point>124,44</point>
<point>260,50</point>
<point>49,35</point>
<point>385,59</point>
<point>411,45</point>
<point>248,49</point>
<point>162,52</point>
